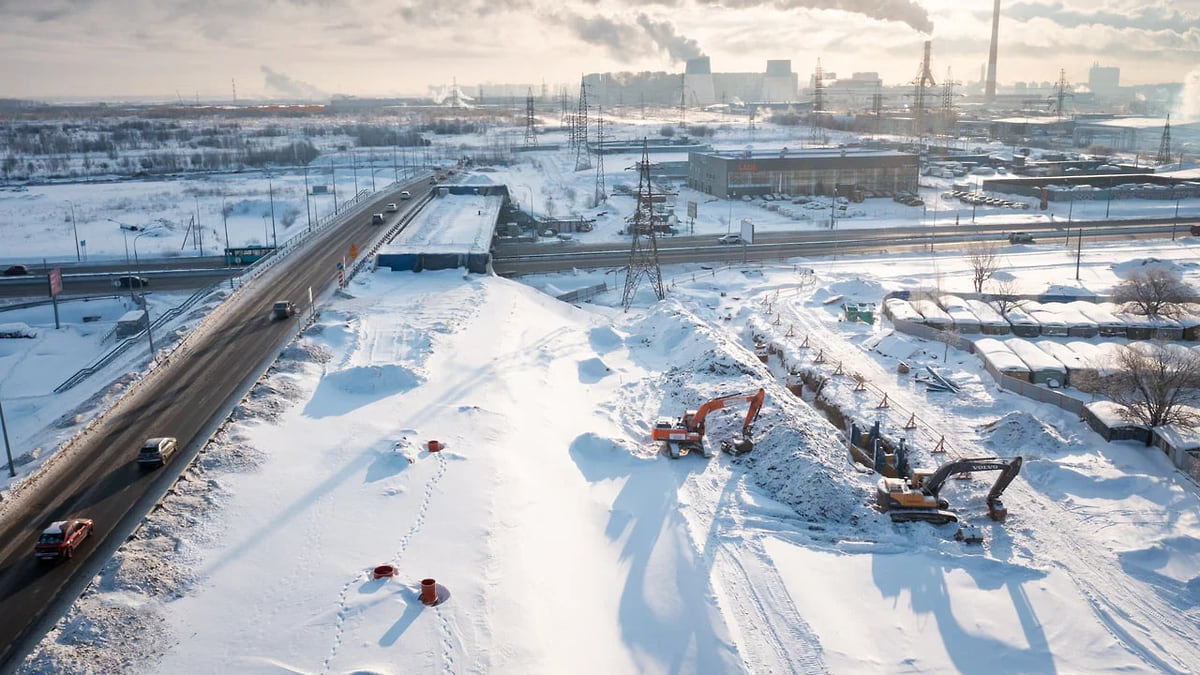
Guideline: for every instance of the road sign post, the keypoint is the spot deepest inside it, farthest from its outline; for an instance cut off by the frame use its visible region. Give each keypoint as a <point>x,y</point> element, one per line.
<point>342,273</point>
<point>55,279</point>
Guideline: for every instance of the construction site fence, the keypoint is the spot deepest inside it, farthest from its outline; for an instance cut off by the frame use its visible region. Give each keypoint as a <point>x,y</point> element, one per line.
<point>583,294</point>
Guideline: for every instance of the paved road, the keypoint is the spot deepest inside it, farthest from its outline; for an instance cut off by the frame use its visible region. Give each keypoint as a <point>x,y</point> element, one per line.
<point>36,286</point>
<point>103,482</point>
<point>556,258</point>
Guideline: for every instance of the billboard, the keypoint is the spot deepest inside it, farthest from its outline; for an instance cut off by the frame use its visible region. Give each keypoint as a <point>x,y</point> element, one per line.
<point>691,209</point>
<point>747,231</point>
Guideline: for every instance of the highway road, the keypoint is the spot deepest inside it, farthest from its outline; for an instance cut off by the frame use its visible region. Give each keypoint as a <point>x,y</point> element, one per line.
<point>36,286</point>
<point>194,393</point>
<point>517,259</point>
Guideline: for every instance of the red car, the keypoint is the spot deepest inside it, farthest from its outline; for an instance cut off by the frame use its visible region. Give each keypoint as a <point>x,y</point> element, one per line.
<point>62,538</point>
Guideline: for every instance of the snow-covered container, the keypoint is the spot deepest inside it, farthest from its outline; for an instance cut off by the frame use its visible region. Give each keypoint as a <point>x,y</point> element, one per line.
<point>1023,325</point>
<point>964,319</point>
<point>1108,324</point>
<point>17,330</point>
<point>1001,358</point>
<point>1051,324</point>
<point>1189,319</point>
<point>1078,324</point>
<point>1080,373</point>
<point>990,321</point>
<point>131,323</point>
<point>1162,328</point>
<point>1043,368</point>
<point>898,309</point>
<point>1108,419</point>
<point>1137,326</point>
<point>933,315</point>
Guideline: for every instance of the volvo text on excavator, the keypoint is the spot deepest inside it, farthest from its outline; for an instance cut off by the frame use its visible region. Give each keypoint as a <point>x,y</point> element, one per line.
<point>917,498</point>
<point>686,433</point>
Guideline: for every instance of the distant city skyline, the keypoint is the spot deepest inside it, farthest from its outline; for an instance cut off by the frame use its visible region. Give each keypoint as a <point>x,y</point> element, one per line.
<point>311,49</point>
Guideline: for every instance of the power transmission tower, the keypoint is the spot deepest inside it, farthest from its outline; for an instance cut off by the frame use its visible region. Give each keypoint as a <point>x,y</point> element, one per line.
<point>948,103</point>
<point>1164,148</point>
<point>877,105</point>
<point>683,100</point>
<point>581,130</point>
<point>643,253</point>
<point>601,191</point>
<point>530,130</point>
<point>1062,90</point>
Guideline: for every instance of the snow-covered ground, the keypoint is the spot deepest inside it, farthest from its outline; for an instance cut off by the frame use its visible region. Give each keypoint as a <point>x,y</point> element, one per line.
<point>565,542</point>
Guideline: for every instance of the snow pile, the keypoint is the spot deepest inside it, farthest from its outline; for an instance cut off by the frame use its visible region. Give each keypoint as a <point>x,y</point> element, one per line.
<point>373,380</point>
<point>1127,269</point>
<point>17,330</point>
<point>1018,432</point>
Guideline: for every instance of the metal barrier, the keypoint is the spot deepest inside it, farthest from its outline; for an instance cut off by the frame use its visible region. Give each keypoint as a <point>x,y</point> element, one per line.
<point>583,294</point>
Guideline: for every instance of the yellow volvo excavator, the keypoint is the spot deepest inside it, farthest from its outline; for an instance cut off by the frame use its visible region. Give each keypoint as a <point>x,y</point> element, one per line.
<point>917,498</point>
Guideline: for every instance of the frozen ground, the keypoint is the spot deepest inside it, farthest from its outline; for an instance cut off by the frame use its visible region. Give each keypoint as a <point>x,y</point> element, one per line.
<point>565,542</point>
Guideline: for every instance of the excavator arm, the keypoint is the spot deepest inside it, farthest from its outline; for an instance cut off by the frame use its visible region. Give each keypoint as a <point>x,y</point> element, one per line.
<point>755,399</point>
<point>1008,468</point>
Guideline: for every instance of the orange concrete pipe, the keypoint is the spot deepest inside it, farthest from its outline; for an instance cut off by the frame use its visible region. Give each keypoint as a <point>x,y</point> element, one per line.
<point>434,446</point>
<point>429,592</point>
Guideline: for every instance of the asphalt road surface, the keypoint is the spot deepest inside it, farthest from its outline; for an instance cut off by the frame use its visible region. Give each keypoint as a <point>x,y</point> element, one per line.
<point>36,286</point>
<point>100,480</point>
<point>518,259</point>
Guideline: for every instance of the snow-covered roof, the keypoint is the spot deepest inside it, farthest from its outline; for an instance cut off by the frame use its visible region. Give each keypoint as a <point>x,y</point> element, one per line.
<point>986,314</point>
<point>1100,313</point>
<point>1067,312</point>
<point>1036,359</point>
<point>901,309</point>
<point>932,314</point>
<point>1019,317</point>
<point>1000,356</point>
<point>450,224</point>
<point>1064,354</point>
<point>57,527</point>
<point>132,316</point>
<point>1045,315</point>
<point>1111,414</point>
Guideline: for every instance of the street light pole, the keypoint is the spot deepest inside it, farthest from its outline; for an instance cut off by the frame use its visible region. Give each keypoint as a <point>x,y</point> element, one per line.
<point>145,305</point>
<point>12,470</point>
<point>75,229</point>
<point>271,192</point>
<point>333,179</point>
<point>354,168</point>
<point>125,238</point>
<point>225,222</point>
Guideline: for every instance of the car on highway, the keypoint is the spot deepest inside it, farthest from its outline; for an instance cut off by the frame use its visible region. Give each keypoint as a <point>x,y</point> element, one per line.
<point>131,281</point>
<point>377,219</point>
<point>61,538</point>
<point>391,207</point>
<point>156,451</point>
<point>404,194</point>
<point>16,271</point>
<point>1195,230</point>
<point>283,309</point>
<point>730,239</point>
<point>1020,238</point>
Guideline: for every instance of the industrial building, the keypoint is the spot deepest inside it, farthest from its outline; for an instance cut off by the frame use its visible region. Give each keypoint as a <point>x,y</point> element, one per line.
<point>803,172</point>
<point>700,86</point>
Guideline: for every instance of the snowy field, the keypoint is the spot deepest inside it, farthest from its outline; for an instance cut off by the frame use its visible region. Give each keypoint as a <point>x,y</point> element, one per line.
<point>565,542</point>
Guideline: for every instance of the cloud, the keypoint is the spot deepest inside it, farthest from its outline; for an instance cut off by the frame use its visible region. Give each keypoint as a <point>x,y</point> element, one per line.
<point>284,85</point>
<point>628,40</point>
<point>1149,16</point>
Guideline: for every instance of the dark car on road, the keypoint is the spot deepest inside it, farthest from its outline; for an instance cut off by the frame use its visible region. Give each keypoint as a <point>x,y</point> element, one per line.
<point>283,310</point>
<point>131,281</point>
<point>61,538</point>
<point>156,451</point>
<point>16,271</point>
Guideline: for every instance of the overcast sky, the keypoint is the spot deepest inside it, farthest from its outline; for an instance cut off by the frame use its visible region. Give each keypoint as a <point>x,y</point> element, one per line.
<point>311,48</point>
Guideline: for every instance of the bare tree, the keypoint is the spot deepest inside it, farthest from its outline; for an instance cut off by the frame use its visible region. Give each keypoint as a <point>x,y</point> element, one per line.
<point>1005,295</point>
<point>984,261</point>
<point>1154,292</point>
<point>1156,383</point>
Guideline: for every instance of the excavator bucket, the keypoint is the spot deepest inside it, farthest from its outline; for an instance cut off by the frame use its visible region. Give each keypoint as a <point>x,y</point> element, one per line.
<point>740,445</point>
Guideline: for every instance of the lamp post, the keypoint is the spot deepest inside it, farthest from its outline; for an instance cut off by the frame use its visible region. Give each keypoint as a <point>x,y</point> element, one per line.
<point>75,229</point>
<point>12,470</point>
<point>125,229</point>
<point>271,192</point>
<point>228,257</point>
<point>145,306</point>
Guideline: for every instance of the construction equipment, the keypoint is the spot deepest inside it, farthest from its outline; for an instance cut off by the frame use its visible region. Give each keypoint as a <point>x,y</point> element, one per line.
<point>686,433</point>
<point>917,497</point>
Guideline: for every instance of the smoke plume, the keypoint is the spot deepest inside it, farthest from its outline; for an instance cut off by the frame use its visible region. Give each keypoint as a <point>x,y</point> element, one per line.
<point>626,40</point>
<point>285,86</point>
<point>1188,109</point>
<point>905,11</point>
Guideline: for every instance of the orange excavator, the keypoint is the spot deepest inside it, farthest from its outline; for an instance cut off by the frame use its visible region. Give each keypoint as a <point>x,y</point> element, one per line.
<point>686,433</point>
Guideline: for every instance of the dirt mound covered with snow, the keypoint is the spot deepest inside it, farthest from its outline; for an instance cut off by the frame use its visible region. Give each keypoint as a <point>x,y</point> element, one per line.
<point>1127,269</point>
<point>798,457</point>
<point>1021,433</point>
<point>373,380</point>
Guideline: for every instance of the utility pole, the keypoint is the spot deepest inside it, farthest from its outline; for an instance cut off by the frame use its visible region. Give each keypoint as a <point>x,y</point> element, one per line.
<point>75,229</point>
<point>307,208</point>
<point>225,222</point>
<point>333,179</point>
<point>1079,251</point>
<point>271,192</point>
<point>354,168</point>
<point>12,470</point>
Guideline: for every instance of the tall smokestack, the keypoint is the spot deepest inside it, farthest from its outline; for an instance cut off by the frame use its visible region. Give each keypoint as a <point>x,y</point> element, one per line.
<point>990,92</point>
